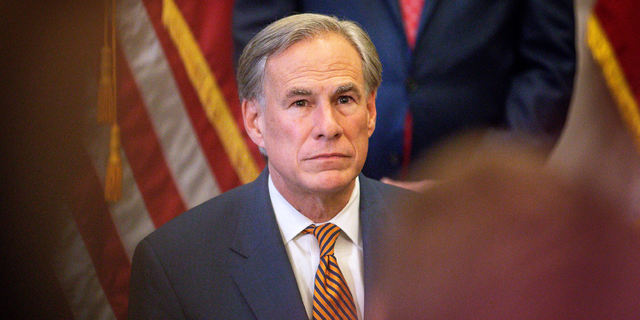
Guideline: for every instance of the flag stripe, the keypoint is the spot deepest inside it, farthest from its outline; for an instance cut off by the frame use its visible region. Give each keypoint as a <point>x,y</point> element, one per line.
<point>129,214</point>
<point>619,21</point>
<point>188,164</point>
<point>209,93</point>
<point>76,274</point>
<point>209,140</point>
<point>76,269</point>
<point>214,38</point>
<point>615,75</point>
<point>99,234</point>
<point>145,155</point>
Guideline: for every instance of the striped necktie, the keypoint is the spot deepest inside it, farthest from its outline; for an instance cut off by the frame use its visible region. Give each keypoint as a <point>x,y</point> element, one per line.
<point>331,296</point>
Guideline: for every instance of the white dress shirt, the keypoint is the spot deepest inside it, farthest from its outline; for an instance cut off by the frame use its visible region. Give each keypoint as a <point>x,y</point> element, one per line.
<point>304,252</point>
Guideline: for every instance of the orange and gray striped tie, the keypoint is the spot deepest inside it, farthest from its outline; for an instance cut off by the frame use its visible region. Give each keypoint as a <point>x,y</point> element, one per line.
<point>331,296</point>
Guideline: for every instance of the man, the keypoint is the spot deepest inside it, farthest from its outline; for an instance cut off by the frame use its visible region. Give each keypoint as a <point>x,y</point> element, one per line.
<point>308,85</point>
<point>462,65</point>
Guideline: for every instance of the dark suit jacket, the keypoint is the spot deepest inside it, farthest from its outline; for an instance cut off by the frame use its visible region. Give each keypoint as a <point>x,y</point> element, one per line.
<point>477,63</point>
<point>225,259</point>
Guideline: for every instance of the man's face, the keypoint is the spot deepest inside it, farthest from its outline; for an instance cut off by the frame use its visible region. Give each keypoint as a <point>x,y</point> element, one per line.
<point>317,117</point>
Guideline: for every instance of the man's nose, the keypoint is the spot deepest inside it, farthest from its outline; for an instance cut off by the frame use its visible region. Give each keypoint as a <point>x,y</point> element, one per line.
<point>326,122</point>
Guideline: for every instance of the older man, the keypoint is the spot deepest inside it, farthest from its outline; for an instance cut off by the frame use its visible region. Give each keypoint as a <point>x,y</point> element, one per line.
<point>297,242</point>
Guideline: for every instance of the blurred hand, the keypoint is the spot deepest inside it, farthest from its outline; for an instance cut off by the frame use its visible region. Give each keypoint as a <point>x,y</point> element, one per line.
<point>418,186</point>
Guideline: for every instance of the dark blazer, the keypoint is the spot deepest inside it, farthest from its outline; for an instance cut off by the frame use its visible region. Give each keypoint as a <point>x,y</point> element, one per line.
<point>477,63</point>
<point>226,259</point>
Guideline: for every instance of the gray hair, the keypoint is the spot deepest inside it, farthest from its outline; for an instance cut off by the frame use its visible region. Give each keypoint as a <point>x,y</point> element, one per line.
<point>283,33</point>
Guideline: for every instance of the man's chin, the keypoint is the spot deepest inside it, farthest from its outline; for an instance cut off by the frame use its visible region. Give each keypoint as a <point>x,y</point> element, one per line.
<point>332,180</point>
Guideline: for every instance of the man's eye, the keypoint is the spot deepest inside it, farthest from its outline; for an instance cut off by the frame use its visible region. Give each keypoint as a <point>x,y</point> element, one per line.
<point>344,99</point>
<point>300,103</point>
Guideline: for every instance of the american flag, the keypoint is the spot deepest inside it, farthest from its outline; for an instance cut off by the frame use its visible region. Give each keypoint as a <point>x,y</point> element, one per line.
<point>182,142</point>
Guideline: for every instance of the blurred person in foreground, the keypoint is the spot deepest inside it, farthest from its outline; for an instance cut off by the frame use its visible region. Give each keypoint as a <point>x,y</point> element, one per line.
<point>503,236</point>
<point>308,85</point>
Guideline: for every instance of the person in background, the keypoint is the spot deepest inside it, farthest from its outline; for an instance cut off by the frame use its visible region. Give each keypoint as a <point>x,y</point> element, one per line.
<point>450,66</point>
<point>298,242</point>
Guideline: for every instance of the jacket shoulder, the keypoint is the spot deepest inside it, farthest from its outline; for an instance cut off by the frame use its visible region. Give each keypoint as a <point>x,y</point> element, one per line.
<point>213,220</point>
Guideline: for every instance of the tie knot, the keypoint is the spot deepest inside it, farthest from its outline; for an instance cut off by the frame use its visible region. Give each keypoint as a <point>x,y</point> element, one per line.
<point>326,235</point>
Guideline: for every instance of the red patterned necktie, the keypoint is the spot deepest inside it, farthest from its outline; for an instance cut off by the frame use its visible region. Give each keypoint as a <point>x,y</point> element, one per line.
<point>331,296</point>
<point>411,12</point>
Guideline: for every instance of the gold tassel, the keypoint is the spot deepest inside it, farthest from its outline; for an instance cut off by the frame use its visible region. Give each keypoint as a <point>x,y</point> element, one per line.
<point>106,101</point>
<point>107,104</point>
<point>113,180</point>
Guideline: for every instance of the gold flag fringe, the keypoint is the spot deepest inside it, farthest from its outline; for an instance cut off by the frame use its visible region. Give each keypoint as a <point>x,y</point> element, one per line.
<point>107,104</point>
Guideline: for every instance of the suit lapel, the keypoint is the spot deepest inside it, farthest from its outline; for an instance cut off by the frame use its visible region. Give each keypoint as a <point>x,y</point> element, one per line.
<point>373,222</point>
<point>427,11</point>
<point>394,8</point>
<point>260,266</point>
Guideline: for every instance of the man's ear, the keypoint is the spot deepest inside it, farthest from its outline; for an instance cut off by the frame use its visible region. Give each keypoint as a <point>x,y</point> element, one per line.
<point>372,112</point>
<point>253,122</point>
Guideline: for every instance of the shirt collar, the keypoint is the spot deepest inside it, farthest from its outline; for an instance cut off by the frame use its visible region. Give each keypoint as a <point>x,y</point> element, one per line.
<point>291,222</point>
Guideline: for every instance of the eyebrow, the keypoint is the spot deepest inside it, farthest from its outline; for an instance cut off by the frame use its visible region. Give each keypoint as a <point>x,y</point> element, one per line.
<point>347,88</point>
<point>295,92</point>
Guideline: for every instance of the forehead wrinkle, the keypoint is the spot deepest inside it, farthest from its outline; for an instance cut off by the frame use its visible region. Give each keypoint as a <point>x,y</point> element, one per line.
<point>299,73</point>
